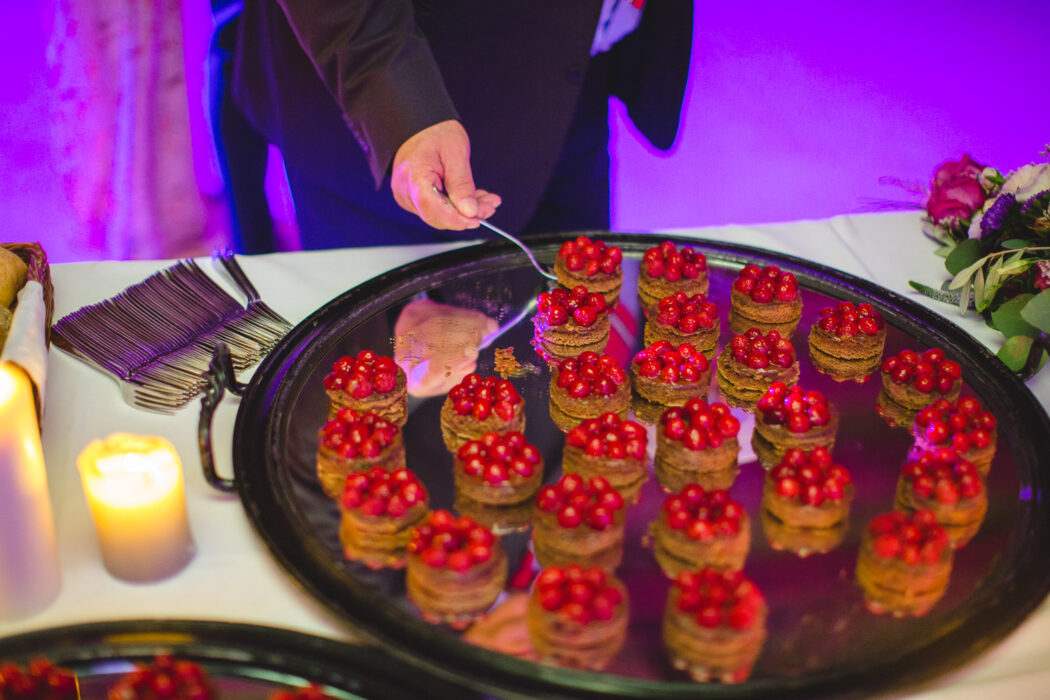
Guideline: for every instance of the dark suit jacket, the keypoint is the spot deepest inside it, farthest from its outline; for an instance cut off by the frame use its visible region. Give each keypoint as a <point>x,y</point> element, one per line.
<point>342,85</point>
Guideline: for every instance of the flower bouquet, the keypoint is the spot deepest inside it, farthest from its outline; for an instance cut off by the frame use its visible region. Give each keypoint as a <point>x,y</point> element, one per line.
<point>995,236</point>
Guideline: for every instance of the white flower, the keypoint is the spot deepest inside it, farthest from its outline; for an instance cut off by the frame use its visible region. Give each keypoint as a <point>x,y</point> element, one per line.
<point>988,178</point>
<point>1028,181</point>
<point>975,225</point>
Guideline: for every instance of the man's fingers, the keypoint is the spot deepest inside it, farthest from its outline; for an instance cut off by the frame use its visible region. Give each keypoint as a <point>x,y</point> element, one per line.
<point>459,183</point>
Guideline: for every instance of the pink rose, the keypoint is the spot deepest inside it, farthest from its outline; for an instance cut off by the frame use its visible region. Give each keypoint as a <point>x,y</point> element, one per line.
<point>952,169</point>
<point>958,198</point>
<point>1042,274</point>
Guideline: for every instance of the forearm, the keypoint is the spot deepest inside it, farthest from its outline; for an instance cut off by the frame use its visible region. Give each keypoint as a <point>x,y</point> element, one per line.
<point>377,66</point>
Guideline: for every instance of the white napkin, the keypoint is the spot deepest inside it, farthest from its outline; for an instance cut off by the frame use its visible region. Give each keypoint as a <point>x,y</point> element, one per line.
<point>25,344</point>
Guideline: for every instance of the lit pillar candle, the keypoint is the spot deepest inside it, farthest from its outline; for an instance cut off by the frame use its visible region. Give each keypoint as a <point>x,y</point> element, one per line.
<point>29,574</point>
<point>134,488</point>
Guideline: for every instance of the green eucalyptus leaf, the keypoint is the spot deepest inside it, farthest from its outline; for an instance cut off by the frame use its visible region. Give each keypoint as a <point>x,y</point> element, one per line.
<point>1014,352</point>
<point>942,295</point>
<point>965,254</point>
<point>1014,243</point>
<point>964,296</point>
<point>1037,311</point>
<point>980,299</point>
<point>1007,318</point>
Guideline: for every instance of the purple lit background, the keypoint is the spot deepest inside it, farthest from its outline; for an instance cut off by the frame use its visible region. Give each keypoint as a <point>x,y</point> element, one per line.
<point>789,114</point>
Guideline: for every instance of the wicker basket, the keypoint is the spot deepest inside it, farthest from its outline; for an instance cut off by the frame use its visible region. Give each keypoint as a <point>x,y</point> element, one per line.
<point>36,259</point>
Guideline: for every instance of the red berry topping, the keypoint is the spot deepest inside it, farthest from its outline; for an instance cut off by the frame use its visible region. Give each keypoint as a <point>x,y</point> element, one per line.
<point>689,314</point>
<point>590,374</point>
<point>40,679</point>
<point>795,408</point>
<point>377,492</point>
<point>482,397</point>
<point>698,425</point>
<point>962,425</point>
<point>609,436</point>
<point>500,459</point>
<point>587,257</point>
<point>351,434</point>
<point>164,678</point>
<point>576,501</point>
<point>665,260</point>
<point>927,372</point>
<point>672,365</point>
<point>556,307</point>
<point>703,515</point>
<point>810,477</point>
<point>445,541</point>
<point>579,594</point>
<point>759,351</point>
<point>943,475</point>
<point>846,319</point>
<point>766,284</point>
<point>911,537</point>
<point>717,599</point>
<point>362,376</point>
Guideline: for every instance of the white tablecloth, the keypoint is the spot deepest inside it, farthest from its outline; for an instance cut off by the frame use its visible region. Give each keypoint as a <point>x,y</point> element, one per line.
<point>233,577</point>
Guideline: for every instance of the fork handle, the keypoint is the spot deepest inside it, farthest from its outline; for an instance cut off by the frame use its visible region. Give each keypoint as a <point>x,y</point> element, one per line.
<point>219,378</point>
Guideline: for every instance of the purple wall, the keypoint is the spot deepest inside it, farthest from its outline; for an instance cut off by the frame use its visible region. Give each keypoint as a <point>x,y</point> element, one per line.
<point>797,114</point>
<point>788,115</point>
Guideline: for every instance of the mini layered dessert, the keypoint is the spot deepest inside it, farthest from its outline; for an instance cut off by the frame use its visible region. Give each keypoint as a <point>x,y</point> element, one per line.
<point>579,521</point>
<point>669,375</point>
<point>586,387</point>
<point>699,529</point>
<point>568,323</point>
<point>847,341</point>
<point>592,264</point>
<point>963,426</point>
<point>904,563</point>
<point>805,502</point>
<point>665,270</point>
<point>681,318</point>
<point>947,485</point>
<point>714,625</point>
<point>378,510</point>
<point>352,442</point>
<point>479,405</point>
<point>498,469</point>
<point>40,679</point>
<point>697,444</point>
<point>911,381</point>
<point>577,617</point>
<point>164,678</point>
<point>765,298</point>
<point>456,569</point>
<point>367,383</point>
<point>787,418</point>
<point>610,447</point>
<point>751,362</point>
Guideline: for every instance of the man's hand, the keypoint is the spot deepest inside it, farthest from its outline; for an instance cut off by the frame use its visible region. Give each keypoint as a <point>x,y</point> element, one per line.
<point>439,156</point>
<point>437,344</point>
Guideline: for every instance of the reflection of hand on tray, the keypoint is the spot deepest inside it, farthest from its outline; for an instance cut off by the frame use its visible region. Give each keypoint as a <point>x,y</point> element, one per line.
<point>504,629</point>
<point>437,344</point>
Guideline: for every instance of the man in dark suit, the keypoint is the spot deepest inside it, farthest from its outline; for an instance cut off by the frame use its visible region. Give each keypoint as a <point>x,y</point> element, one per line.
<point>368,94</point>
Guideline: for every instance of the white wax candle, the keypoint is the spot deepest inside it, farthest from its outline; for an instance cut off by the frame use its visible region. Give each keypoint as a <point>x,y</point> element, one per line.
<point>135,491</point>
<point>29,573</point>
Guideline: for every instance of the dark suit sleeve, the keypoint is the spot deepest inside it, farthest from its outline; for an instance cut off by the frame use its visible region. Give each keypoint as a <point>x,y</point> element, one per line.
<point>651,69</point>
<point>379,68</point>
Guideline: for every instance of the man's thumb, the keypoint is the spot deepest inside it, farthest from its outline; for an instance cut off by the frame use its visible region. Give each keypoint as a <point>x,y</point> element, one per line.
<point>459,184</point>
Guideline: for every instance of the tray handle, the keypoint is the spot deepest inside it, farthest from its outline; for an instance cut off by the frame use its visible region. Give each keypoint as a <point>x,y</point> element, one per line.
<point>219,379</point>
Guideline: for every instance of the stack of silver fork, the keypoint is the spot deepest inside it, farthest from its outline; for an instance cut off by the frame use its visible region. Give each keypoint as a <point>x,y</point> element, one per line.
<point>157,337</point>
